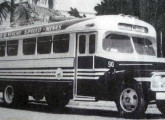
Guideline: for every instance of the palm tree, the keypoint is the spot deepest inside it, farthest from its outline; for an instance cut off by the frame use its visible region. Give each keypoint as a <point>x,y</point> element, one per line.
<point>4,10</point>
<point>74,12</point>
<point>51,4</point>
<point>12,9</point>
<point>23,12</point>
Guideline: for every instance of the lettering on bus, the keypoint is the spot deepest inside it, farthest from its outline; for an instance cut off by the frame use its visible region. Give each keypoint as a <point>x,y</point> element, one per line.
<point>31,31</point>
<point>53,28</point>
<point>10,34</point>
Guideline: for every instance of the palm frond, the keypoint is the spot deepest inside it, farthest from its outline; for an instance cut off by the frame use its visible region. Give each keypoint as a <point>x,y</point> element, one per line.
<point>4,10</point>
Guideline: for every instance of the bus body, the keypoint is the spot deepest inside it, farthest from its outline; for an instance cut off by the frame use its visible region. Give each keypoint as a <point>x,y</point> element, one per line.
<point>102,58</point>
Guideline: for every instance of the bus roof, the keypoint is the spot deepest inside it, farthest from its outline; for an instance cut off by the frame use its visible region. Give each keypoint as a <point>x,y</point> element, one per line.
<point>116,23</point>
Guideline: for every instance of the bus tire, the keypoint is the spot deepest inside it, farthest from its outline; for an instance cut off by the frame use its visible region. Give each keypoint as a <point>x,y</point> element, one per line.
<point>13,96</point>
<point>130,102</point>
<point>57,100</point>
<point>161,106</point>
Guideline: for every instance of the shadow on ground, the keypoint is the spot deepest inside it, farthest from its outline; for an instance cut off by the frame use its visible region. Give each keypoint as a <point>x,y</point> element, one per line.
<point>43,107</point>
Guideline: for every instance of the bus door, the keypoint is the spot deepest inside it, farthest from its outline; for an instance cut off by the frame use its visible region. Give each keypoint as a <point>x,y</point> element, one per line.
<point>85,84</point>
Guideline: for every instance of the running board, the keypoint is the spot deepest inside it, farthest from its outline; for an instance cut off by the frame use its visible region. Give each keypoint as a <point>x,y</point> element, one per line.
<point>84,98</point>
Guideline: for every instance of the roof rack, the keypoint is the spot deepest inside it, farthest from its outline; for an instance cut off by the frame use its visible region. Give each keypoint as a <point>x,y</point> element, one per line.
<point>34,22</point>
<point>27,23</point>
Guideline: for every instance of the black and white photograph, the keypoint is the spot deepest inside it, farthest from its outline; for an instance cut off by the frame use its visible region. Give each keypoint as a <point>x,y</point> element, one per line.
<point>82,59</point>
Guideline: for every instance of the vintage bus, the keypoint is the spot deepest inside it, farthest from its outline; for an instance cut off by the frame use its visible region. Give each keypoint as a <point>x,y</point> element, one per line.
<point>110,58</point>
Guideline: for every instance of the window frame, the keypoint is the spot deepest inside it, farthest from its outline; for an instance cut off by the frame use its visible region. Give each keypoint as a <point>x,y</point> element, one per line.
<point>84,47</point>
<point>67,39</point>
<point>93,45</point>
<point>118,34</point>
<point>44,41</point>
<point>5,46</point>
<point>27,39</point>
<point>8,52</point>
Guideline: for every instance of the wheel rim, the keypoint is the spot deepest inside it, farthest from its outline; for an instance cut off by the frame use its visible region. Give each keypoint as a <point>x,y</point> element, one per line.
<point>9,94</point>
<point>129,100</point>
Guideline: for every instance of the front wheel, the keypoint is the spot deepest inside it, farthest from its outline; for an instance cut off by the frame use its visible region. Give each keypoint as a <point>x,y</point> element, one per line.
<point>130,102</point>
<point>161,106</point>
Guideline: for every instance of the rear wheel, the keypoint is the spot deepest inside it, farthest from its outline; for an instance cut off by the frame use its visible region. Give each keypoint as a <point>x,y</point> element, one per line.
<point>8,95</point>
<point>161,106</point>
<point>14,96</point>
<point>130,102</point>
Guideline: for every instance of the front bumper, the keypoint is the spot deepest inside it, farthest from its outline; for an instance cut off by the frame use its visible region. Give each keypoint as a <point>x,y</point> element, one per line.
<point>158,82</point>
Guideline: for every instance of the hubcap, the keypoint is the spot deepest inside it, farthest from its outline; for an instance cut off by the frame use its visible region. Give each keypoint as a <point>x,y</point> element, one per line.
<point>129,100</point>
<point>9,94</point>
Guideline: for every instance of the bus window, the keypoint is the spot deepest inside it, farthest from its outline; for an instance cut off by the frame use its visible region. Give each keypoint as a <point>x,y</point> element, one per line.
<point>117,43</point>
<point>12,48</point>
<point>143,46</point>
<point>29,46</point>
<point>82,41</point>
<point>61,43</point>
<point>44,45</point>
<point>92,43</point>
<point>2,48</point>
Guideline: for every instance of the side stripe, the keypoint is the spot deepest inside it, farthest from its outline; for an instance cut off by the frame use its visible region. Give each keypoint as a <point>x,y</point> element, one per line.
<point>91,74</point>
<point>88,78</point>
<point>36,77</point>
<point>94,70</point>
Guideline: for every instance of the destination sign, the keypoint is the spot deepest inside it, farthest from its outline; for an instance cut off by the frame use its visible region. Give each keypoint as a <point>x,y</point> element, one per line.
<point>134,28</point>
<point>32,30</point>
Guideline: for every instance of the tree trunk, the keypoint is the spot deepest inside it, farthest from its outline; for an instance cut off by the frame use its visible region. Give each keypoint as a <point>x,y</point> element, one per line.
<point>12,11</point>
<point>50,4</point>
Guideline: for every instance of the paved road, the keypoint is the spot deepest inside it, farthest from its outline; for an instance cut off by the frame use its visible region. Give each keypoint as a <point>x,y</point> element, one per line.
<point>89,111</point>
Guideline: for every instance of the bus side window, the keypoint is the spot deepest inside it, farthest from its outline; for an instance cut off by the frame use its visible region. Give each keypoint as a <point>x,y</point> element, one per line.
<point>82,42</point>
<point>92,43</point>
<point>44,45</point>
<point>12,48</point>
<point>29,46</point>
<point>2,48</point>
<point>61,43</point>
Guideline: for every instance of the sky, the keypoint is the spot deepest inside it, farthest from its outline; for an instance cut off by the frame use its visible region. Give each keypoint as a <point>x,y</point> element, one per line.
<point>81,5</point>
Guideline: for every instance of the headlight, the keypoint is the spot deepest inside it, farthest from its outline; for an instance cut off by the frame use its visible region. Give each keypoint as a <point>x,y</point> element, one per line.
<point>158,83</point>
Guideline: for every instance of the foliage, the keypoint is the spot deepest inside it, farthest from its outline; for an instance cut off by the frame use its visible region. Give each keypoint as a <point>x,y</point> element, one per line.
<point>4,10</point>
<point>24,12</point>
<point>114,7</point>
<point>31,13</point>
<point>74,12</point>
<point>151,11</point>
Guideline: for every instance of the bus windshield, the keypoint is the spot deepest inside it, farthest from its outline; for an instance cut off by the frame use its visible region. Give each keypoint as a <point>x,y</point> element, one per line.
<point>143,46</point>
<point>117,43</point>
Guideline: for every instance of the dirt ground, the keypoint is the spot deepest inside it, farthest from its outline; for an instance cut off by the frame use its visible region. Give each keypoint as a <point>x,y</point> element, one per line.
<point>74,111</point>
